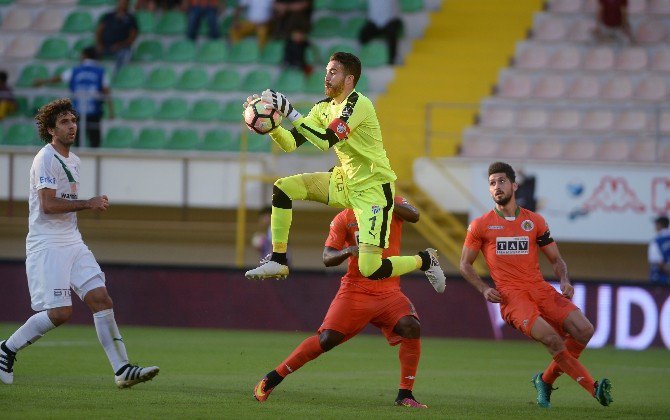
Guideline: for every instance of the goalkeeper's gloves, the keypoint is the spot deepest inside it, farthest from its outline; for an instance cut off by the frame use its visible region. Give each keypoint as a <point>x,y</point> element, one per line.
<point>249,100</point>
<point>281,104</point>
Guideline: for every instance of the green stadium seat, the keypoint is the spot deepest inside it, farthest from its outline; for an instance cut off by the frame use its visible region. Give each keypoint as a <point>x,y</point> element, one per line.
<point>375,54</point>
<point>322,4</point>
<point>58,72</point>
<point>226,22</point>
<point>146,21</point>
<point>172,109</point>
<point>347,5</point>
<point>180,51</point>
<point>327,27</point>
<point>226,80</point>
<point>291,81</point>
<point>149,50</point>
<point>23,107</point>
<point>151,138</point>
<point>194,78</point>
<point>232,112</point>
<point>218,141</point>
<point>40,101</point>
<point>53,49</point>
<point>244,52</point>
<point>117,103</point>
<point>363,84</point>
<point>79,45</point>
<point>212,52</point>
<point>161,79</point>
<point>273,53</point>
<point>21,134</point>
<point>139,109</point>
<point>315,83</point>
<point>118,138</point>
<point>183,139</point>
<point>93,3</point>
<point>78,22</point>
<point>171,23</point>
<point>346,47</point>
<point>352,27</point>
<point>30,73</point>
<point>206,110</point>
<point>411,6</point>
<point>256,143</point>
<point>257,81</point>
<point>128,77</point>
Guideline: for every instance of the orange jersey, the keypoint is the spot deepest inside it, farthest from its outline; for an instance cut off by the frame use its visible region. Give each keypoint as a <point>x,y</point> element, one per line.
<point>344,233</point>
<point>510,247</point>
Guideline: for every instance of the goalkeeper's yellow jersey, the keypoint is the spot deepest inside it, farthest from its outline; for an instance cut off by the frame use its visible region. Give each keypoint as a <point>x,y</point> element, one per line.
<point>353,130</point>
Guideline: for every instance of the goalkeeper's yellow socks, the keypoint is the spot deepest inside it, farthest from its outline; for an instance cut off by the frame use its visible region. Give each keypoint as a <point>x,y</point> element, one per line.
<point>280,224</point>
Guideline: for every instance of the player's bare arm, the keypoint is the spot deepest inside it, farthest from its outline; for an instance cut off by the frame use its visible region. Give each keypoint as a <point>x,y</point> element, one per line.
<point>560,268</point>
<point>406,212</point>
<point>51,204</point>
<point>468,272</point>
<point>333,257</point>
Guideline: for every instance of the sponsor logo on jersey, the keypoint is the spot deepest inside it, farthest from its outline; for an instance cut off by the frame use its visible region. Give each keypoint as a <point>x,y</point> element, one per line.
<point>347,111</point>
<point>512,245</point>
<point>376,209</point>
<point>61,292</point>
<point>352,224</point>
<point>495,227</point>
<point>527,225</point>
<point>47,180</point>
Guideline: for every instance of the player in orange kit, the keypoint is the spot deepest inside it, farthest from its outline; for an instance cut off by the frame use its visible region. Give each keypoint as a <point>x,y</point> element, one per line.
<point>509,237</point>
<point>359,302</point>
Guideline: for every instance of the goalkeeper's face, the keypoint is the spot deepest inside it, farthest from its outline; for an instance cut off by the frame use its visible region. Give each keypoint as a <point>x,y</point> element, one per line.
<point>335,77</point>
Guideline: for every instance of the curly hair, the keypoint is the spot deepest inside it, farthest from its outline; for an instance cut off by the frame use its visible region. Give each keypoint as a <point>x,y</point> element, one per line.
<point>502,167</point>
<point>48,114</point>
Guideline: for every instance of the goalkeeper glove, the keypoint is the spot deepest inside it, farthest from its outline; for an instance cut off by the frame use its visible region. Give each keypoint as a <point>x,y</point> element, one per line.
<point>281,104</point>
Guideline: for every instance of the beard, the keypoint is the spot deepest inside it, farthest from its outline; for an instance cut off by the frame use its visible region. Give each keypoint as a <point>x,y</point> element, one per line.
<point>333,91</point>
<point>502,201</point>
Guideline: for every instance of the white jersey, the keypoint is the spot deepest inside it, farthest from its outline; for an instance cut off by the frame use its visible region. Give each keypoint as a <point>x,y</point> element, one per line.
<point>54,171</point>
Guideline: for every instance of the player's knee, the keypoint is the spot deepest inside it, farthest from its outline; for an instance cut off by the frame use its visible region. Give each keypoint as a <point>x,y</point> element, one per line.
<point>584,332</point>
<point>279,198</point>
<point>553,342</point>
<point>60,315</point>
<point>408,327</point>
<point>329,339</point>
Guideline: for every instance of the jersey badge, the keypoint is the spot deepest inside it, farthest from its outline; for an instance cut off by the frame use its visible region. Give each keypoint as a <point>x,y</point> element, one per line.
<point>527,225</point>
<point>376,209</point>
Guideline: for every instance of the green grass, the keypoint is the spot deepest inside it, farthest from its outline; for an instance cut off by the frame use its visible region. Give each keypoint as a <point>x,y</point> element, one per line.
<point>211,374</point>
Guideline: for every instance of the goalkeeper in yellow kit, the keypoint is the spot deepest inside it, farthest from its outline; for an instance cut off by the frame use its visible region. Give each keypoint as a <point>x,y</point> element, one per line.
<point>347,122</point>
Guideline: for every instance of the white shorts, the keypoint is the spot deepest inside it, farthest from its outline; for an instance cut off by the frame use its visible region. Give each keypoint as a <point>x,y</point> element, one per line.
<point>52,272</point>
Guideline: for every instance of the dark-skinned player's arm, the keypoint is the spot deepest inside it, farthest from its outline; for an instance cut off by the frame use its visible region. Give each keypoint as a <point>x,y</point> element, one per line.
<point>405,211</point>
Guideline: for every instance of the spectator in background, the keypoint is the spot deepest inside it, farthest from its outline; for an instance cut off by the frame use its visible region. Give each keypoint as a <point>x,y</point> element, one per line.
<point>116,33</point>
<point>262,239</point>
<point>8,103</point>
<point>153,5</point>
<point>258,20</point>
<point>289,14</point>
<point>525,193</point>
<point>612,22</point>
<point>196,11</point>
<point>659,253</point>
<point>295,51</point>
<point>383,21</point>
<point>89,84</point>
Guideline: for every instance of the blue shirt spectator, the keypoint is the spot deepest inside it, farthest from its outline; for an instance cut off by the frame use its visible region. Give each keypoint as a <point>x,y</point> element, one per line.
<point>659,253</point>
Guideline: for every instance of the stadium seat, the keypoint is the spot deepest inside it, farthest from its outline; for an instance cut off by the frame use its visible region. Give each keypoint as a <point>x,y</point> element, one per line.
<point>171,23</point>
<point>118,105</point>
<point>231,112</point>
<point>151,138</point>
<point>244,52</point>
<point>257,81</point>
<point>581,149</point>
<point>363,84</point>
<point>94,3</point>
<point>613,150</point>
<point>352,27</point>
<point>326,27</point>
<point>632,121</point>
<point>600,59</point>
<point>550,29</point>
<point>315,83</point>
<point>584,87</point>
<point>567,57</point>
<point>48,20</point>
<point>514,147</point>
<point>617,88</point>
<point>183,139</point>
<point>581,30</point>
<point>207,110</point>
<point>78,22</point>
<point>21,134</point>
<point>218,141</point>
<point>212,52</point>
<point>161,78</point>
<point>532,57</point>
<point>346,47</point>
<point>375,54</point>
<point>659,7</point>
<point>273,53</point>
<point>660,60</point>
<point>322,4</point>
<point>643,150</point>
<point>128,78</point>
<point>40,101</point>
<point>547,149</point>
<point>532,119</point>
<point>516,86</point>
<point>149,50</point>
<point>497,118</point>
<point>30,73</point>
<point>79,45</point>
<point>637,7</point>
<point>631,59</point>
<point>479,147</point>
<point>23,107</point>
<point>172,109</point>
<point>146,21</point>
<point>255,143</point>
<point>54,49</point>
<point>347,5</point>
<point>22,47</point>
<point>225,81</point>
<point>16,19</point>
<point>651,88</point>
<point>650,31</point>
<point>290,81</point>
<point>565,6</point>
<point>139,109</point>
<point>598,120</point>
<point>180,51</point>
<point>118,138</point>
<point>194,78</point>
<point>550,86</point>
<point>411,6</point>
<point>564,119</point>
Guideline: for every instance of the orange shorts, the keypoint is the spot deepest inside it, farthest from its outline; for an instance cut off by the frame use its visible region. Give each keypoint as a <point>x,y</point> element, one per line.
<point>520,308</point>
<point>353,308</point>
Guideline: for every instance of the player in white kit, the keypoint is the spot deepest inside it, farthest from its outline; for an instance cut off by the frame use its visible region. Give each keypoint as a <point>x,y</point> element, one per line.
<point>57,260</point>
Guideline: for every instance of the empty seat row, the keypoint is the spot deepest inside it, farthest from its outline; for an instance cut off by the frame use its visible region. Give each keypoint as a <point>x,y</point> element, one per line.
<point>547,27</point>
<point>635,7</point>
<point>539,56</point>
<point>517,85</point>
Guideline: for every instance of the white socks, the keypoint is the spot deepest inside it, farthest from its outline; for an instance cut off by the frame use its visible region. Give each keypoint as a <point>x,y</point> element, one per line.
<point>110,338</point>
<point>34,328</point>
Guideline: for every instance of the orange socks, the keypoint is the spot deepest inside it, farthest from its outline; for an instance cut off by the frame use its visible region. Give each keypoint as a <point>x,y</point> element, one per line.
<point>308,350</point>
<point>409,354</point>
<point>570,365</point>
<point>552,372</point>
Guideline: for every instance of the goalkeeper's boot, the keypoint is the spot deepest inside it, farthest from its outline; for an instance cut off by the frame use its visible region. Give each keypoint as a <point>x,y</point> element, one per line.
<point>543,391</point>
<point>604,392</point>
<point>130,375</point>
<point>268,270</point>
<point>7,358</point>
<point>434,273</point>
<point>261,393</point>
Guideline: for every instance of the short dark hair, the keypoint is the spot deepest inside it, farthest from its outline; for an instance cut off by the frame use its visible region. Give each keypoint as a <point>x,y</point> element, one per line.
<point>351,64</point>
<point>502,167</point>
<point>90,52</point>
<point>663,221</point>
<point>47,115</point>
<point>3,76</point>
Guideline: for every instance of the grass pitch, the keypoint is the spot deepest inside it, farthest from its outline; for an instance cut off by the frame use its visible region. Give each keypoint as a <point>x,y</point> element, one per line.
<point>211,374</point>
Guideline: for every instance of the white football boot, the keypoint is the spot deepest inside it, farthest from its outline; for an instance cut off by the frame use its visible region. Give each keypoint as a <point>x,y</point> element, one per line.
<point>268,270</point>
<point>434,273</point>
<point>7,358</point>
<point>130,375</point>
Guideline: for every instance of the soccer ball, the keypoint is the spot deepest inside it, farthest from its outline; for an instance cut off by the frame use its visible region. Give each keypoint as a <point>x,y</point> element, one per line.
<point>259,119</point>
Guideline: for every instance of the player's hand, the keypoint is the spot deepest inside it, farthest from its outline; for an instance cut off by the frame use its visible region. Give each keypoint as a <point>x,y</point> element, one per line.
<point>492,295</point>
<point>567,289</point>
<point>249,100</point>
<point>353,251</point>
<point>280,102</point>
<point>100,203</point>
